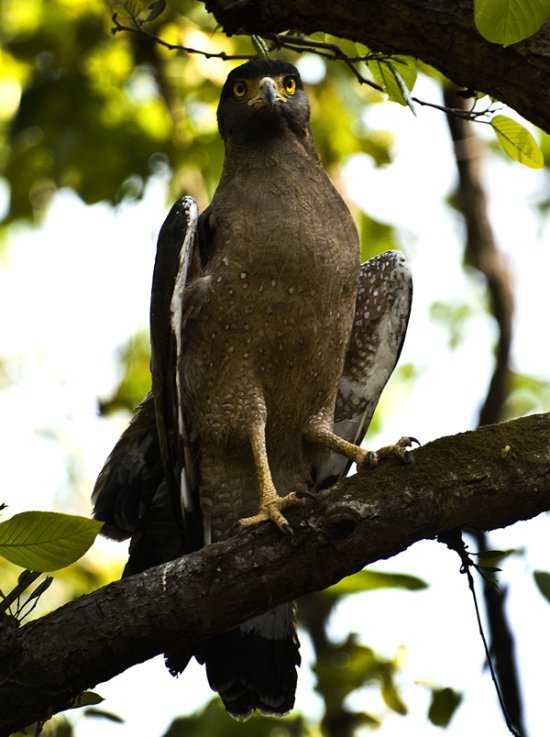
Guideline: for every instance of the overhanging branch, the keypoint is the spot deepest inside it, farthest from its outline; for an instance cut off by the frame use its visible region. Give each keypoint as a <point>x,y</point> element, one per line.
<point>485,479</point>
<point>439,32</point>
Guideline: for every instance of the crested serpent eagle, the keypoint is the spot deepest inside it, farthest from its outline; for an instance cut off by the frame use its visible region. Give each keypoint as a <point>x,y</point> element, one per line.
<point>270,345</point>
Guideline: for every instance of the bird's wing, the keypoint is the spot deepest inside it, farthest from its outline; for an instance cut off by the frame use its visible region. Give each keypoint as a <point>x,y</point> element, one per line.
<point>125,488</point>
<point>381,317</point>
<point>153,460</point>
<point>177,256</point>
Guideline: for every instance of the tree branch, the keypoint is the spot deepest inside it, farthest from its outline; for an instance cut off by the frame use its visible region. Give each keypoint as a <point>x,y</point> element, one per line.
<point>439,32</point>
<point>484,479</point>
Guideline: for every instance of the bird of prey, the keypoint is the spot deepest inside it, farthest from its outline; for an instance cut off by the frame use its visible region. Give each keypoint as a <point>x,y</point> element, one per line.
<point>270,346</point>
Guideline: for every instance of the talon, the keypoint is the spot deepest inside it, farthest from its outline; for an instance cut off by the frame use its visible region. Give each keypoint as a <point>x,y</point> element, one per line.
<point>271,508</point>
<point>235,527</point>
<point>409,458</point>
<point>287,529</point>
<point>400,450</point>
<point>372,459</point>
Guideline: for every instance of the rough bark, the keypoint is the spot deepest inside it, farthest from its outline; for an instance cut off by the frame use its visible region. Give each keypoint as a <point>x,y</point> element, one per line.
<point>439,32</point>
<point>484,479</point>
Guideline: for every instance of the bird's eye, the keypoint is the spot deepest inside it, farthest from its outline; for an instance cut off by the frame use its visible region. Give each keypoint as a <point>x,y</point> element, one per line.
<point>290,85</point>
<point>239,90</point>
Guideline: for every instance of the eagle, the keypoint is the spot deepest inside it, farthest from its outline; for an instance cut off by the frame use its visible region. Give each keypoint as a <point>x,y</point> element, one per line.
<point>270,346</point>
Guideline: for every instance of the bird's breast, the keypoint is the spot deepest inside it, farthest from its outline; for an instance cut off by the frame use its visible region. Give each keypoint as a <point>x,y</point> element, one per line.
<point>283,285</point>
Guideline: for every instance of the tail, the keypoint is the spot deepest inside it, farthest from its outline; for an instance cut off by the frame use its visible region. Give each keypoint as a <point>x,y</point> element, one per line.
<point>253,667</point>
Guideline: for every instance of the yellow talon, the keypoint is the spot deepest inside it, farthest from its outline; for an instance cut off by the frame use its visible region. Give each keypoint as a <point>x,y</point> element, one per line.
<point>270,509</point>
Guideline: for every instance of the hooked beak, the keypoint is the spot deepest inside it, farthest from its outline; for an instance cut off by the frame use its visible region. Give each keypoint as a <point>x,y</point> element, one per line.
<point>268,95</point>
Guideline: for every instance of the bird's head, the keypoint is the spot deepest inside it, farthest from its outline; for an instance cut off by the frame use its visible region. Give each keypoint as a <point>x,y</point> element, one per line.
<point>261,100</point>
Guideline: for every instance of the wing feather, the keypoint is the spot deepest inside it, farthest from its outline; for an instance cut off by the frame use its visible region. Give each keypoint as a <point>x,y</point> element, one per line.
<point>153,465</point>
<point>382,313</point>
<point>177,254</point>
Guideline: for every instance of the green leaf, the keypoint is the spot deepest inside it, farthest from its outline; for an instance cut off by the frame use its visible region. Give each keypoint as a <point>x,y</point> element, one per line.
<point>517,142</point>
<point>444,704</point>
<point>407,68</point>
<point>102,714</point>
<point>509,21</point>
<point>86,698</point>
<point>391,695</point>
<point>368,580</point>
<point>46,541</point>
<point>542,579</point>
<point>389,78</point>
<point>260,46</point>
<point>362,50</point>
<point>488,558</point>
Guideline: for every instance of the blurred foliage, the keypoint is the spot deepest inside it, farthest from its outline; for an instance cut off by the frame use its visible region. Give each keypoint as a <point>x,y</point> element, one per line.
<point>100,113</point>
<point>542,579</point>
<point>214,720</point>
<point>526,395</point>
<point>454,316</point>
<point>136,380</point>
<point>59,726</point>
<point>444,704</point>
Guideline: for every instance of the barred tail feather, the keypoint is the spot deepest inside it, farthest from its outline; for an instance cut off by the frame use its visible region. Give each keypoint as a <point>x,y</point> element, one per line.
<point>253,667</point>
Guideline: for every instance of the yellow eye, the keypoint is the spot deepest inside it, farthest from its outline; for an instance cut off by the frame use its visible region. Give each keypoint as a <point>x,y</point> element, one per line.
<point>290,85</point>
<point>239,90</point>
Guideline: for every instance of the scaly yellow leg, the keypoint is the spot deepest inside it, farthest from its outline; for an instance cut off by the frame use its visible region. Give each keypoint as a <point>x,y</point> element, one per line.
<point>321,435</point>
<point>271,503</point>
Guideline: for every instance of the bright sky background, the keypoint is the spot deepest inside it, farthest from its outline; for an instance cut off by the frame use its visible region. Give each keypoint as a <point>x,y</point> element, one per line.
<point>70,301</point>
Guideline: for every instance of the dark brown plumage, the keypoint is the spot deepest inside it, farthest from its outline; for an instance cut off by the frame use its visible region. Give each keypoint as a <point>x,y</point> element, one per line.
<point>254,365</point>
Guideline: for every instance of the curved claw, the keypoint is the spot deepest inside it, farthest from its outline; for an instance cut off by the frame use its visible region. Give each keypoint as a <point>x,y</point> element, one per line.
<point>372,459</point>
<point>400,450</point>
<point>287,529</point>
<point>235,527</point>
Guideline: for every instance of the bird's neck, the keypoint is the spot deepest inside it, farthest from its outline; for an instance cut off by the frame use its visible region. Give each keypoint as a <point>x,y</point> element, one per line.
<point>269,154</point>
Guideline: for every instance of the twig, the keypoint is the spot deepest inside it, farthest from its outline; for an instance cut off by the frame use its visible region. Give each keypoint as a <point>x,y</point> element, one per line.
<point>453,540</point>
<point>140,31</point>
<point>327,50</point>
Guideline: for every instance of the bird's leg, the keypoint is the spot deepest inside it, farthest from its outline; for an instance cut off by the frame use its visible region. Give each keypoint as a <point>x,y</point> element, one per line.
<point>318,432</point>
<point>322,435</point>
<point>271,503</point>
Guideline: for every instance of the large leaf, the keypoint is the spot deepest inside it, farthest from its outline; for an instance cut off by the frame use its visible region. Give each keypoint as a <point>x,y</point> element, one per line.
<point>46,541</point>
<point>517,142</point>
<point>508,21</point>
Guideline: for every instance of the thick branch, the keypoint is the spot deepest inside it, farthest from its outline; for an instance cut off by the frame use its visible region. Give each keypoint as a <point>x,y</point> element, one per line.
<point>439,32</point>
<point>485,479</point>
